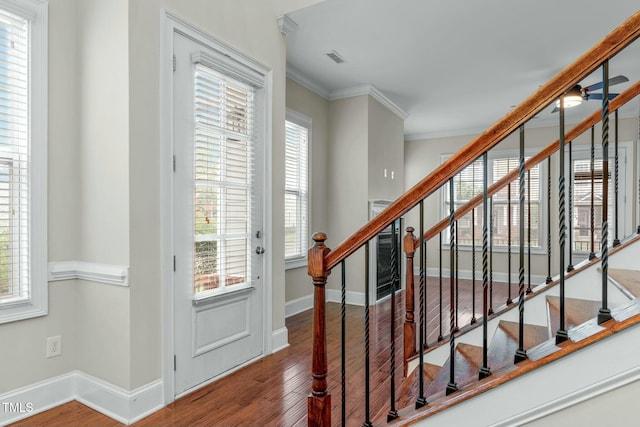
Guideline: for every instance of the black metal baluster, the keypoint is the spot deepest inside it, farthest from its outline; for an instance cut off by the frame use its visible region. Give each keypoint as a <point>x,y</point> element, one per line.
<point>473,253</point>
<point>393,413</point>
<point>521,353</point>
<point>421,400</point>
<point>457,328</point>
<point>451,386</point>
<point>457,265</point>
<point>528,291</point>
<point>367,407</point>
<point>485,371</point>
<point>549,279</point>
<point>604,313</point>
<point>570,201</point>
<point>509,300</point>
<point>592,223</point>
<point>440,336</point>
<point>616,240</point>
<point>423,295</point>
<point>562,334</point>
<point>491,233</point>
<point>473,263</point>
<point>343,341</point>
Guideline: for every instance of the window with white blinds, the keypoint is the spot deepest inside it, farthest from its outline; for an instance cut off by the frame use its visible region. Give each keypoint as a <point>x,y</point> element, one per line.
<point>468,184</point>
<point>22,164</point>
<point>585,192</point>
<point>296,195</point>
<point>223,168</point>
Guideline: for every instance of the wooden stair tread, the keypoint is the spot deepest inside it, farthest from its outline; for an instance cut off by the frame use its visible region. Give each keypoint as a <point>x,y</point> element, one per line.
<point>533,334</point>
<point>409,390</point>
<point>505,342</point>
<point>468,359</point>
<point>629,279</point>
<point>577,311</point>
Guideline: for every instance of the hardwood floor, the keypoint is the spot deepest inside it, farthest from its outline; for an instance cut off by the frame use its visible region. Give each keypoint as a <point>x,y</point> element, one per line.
<point>273,391</point>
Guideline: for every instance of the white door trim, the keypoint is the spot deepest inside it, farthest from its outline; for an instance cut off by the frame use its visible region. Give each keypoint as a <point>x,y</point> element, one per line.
<point>170,23</point>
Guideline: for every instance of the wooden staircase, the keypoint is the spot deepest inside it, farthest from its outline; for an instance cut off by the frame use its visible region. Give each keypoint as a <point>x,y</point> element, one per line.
<point>539,343</point>
<point>539,321</point>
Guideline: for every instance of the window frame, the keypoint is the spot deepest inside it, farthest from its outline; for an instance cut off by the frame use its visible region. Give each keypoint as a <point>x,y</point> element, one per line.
<point>228,82</point>
<point>583,153</point>
<point>542,202</point>
<point>300,259</point>
<point>36,12</point>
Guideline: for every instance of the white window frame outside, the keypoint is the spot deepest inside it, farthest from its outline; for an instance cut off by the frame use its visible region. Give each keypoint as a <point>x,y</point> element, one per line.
<point>36,12</point>
<point>542,202</point>
<point>300,260</point>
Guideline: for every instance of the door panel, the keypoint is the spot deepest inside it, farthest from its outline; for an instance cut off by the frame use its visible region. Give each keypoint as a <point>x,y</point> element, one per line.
<point>218,292</point>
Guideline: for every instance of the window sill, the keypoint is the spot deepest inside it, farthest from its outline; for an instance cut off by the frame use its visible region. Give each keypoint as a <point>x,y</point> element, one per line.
<point>298,262</point>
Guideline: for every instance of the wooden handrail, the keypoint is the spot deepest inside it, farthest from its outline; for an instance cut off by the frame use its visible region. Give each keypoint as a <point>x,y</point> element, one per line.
<point>580,128</point>
<point>608,47</point>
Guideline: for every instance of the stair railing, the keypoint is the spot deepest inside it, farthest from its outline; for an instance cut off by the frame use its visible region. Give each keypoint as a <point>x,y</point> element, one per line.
<point>505,182</point>
<point>322,260</point>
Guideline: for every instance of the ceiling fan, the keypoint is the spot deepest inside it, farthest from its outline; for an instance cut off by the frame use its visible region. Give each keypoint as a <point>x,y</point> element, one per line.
<point>578,93</point>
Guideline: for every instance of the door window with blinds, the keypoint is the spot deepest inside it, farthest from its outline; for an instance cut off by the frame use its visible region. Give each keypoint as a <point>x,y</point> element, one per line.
<point>296,195</point>
<point>223,168</point>
<point>23,285</point>
<point>504,204</point>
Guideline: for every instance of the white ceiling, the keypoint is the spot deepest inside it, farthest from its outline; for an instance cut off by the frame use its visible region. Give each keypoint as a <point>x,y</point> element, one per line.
<point>455,66</point>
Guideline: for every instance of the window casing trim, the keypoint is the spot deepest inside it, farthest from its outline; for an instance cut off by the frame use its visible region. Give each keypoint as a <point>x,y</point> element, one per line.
<point>299,119</point>
<point>36,12</point>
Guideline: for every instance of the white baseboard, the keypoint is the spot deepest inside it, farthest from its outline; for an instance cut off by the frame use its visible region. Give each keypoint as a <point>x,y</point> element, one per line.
<point>497,276</point>
<point>124,406</point>
<point>121,405</point>
<point>351,298</point>
<point>35,398</point>
<point>280,339</point>
<point>333,295</point>
<point>298,305</point>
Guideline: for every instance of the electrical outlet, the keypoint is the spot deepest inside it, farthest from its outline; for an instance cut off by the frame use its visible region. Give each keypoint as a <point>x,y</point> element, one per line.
<point>54,346</point>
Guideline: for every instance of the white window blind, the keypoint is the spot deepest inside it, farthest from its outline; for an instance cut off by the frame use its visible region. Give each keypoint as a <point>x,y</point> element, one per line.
<point>15,207</point>
<point>296,203</point>
<point>501,223</point>
<point>223,167</point>
<point>468,184</point>
<point>581,226</point>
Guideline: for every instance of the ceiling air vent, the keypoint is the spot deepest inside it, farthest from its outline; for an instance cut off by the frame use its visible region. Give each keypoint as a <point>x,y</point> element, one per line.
<point>335,56</point>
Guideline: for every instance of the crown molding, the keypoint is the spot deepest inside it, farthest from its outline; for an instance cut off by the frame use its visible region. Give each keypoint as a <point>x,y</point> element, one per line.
<point>532,124</point>
<point>443,134</point>
<point>287,25</point>
<point>295,75</point>
<point>372,91</point>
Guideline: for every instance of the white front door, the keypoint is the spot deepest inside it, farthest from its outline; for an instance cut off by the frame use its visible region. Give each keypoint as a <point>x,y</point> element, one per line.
<point>217,194</point>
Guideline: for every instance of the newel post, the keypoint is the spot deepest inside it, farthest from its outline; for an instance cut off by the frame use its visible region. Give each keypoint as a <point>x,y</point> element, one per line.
<point>319,401</point>
<point>409,322</point>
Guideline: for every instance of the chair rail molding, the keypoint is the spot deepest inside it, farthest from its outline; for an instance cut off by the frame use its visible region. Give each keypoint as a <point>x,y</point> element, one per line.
<point>101,273</point>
